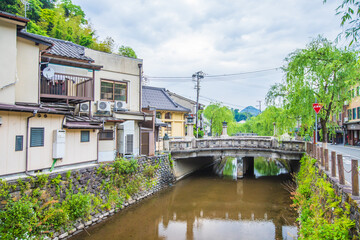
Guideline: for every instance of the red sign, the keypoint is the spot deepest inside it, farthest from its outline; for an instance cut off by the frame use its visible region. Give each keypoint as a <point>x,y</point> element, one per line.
<point>317,107</point>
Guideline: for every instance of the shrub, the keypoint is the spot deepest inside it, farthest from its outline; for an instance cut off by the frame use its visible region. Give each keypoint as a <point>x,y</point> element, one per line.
<point>78,205</point>
<point>322,215</point>
<point>18,220</point>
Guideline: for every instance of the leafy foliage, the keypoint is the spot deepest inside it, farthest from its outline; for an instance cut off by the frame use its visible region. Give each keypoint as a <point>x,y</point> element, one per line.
<point>62,20</point>
<point>322,214</point>
<point>127,51</point>
<point>319,72</point>
<point>349,10</point>
<point>216,114</point>
<point>78,206</point>
<point>263,124</point>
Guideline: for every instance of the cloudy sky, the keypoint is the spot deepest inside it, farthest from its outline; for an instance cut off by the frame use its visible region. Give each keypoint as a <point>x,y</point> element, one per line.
<point>179,38</point>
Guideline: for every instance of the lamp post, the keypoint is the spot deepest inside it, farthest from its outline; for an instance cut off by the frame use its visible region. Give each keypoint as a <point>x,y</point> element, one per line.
<point>190,127</point>
<point>197,77</point>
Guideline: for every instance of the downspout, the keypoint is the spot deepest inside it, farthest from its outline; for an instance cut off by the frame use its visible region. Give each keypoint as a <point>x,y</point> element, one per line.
<point>27,143</point>
<point>140,103</point>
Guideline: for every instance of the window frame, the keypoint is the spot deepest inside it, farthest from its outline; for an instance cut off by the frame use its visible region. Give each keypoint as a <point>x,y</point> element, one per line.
<point>101,138</point>
<point>43,136</point>
<point>88,135</point>
<point>113,82</point>
<point>168,115</point>
<point>16,143</point>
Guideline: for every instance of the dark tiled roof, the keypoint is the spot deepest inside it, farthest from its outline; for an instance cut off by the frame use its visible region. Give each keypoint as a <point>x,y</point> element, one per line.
<point>20,108</point>
<point>78,122</point>
<point>159,99</point>
<point>64,48</point>
<point>13,17</point>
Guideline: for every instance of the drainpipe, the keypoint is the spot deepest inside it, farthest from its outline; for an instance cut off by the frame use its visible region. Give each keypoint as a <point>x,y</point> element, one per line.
<point>140,86</point>
<point>140,103</point>
<point>27,143</point>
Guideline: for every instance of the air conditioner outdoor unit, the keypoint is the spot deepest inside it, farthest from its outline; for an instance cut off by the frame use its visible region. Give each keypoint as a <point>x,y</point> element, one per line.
<point>346,119</point>
<point>84,107</point>
<point>103,106</point>
<point>120,106</point>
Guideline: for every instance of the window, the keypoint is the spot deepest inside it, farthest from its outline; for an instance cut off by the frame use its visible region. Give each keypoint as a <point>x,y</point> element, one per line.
<point>85,136</point>
<point>158,115</point>
<point>354,113</point>
<point>19,143</point>
<point>349,114</point>
<point>106,135</point>
<point>358,90</point>
<point>168,128</point>
<point>129,139</point>
<point>358,112</point>
<point>113,90</point>
<point>340,117</point>
<point>167,115</point>
<point>36,137</point>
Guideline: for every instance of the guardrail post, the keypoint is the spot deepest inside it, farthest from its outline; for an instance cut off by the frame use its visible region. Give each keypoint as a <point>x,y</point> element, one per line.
<point>326,155</point>
<point>354,177</point>
<point>333,164</point>
<point>341,169</point>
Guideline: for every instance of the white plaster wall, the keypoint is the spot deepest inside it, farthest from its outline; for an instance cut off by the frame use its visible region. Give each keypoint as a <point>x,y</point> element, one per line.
<point>117,68</point>
<point>77,151</point>
<point>12,124</point>
<point>41,157</point>
<point>27,87</point>
<point>107,148</point>
<point>7,62</point>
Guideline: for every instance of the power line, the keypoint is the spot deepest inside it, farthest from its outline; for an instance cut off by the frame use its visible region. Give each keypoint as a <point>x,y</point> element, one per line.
<point>220,75</point>
<point>225,103</point>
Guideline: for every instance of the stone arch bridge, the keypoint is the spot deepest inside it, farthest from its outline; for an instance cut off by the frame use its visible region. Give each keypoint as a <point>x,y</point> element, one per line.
<point>192,154</point>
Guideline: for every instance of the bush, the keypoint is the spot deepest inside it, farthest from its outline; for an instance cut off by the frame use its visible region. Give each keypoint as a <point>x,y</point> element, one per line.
<point>18,220</point>
<point>322,215</point>
<point>78,206</point>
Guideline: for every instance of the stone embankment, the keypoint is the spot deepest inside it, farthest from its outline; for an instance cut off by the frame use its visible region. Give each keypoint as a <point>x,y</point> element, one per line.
<point>94,181</point>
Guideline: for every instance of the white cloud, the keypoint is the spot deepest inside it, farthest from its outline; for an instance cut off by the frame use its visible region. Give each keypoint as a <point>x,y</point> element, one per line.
<point>178,38</point>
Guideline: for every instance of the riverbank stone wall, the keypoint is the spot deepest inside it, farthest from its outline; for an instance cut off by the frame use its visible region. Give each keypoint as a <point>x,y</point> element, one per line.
<point>93,182</point>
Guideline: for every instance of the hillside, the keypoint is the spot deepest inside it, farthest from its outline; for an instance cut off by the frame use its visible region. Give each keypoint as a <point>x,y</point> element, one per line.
<point>251,110</point>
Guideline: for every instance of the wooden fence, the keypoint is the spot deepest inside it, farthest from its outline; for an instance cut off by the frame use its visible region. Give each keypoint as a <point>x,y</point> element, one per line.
<point>322,156</point>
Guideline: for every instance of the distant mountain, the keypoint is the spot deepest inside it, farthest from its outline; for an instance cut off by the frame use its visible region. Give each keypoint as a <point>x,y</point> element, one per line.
<point>251,110</point>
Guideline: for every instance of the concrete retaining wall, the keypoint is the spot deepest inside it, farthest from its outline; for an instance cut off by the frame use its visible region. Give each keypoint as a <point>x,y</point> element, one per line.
<point>89,179</point>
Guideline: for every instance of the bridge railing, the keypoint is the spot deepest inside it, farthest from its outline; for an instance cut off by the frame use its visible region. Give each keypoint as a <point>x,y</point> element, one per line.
<point>237,142</point>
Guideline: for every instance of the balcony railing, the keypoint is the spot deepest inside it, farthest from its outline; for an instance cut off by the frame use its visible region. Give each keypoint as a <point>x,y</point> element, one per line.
<point>65,87</point>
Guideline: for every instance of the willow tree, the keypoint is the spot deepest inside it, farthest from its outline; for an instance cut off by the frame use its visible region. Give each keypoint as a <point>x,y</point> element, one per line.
<point>216,114</point>
<point>320,72</point>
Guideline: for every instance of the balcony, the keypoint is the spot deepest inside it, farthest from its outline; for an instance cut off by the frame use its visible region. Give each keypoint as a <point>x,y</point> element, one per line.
<point>67,88</point>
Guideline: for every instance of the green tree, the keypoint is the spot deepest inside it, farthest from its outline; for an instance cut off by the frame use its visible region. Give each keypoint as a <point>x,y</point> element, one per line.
<point>319,72</point>
<point>349,10</point>
<point>12,6</point>
<point>216,114</point>
<point>263,124</point>
<point>127,51</point>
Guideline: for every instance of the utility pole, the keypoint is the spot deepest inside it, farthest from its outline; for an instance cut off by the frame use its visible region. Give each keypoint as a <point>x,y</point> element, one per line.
<point>259,101</point>
<point>197,77</point>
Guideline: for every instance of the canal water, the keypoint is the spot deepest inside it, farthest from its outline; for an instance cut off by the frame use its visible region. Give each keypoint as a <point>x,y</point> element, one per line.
<point>205,206</point>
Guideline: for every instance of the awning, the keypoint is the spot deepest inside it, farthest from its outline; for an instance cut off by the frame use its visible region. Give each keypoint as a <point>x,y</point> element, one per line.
<point>159,123</point>
<point>31,109</point>
<point>81,125</point>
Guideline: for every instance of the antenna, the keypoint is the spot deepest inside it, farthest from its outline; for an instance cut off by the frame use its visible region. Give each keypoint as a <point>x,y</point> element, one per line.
<point>26,4</point>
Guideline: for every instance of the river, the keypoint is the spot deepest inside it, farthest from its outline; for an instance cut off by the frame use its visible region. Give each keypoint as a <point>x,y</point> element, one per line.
<point>205,206</point>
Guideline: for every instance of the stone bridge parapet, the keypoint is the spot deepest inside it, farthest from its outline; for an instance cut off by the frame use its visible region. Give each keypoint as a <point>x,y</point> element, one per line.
<point>256,145</point>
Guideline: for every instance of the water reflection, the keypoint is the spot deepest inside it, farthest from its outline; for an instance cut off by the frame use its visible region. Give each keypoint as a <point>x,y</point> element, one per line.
<point>206,207</point>
<point>269,167</point>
